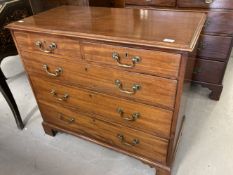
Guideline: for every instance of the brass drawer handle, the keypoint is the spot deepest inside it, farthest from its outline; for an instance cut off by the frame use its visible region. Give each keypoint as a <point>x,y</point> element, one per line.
<point>202,46</point>
<point>57,73</point>
<point>133,117</point>
<point>42,48</point>
<point>124,142</point>
<point>135,88</point>
<point>209,1</point>
<point>62,98</point>
<point>67,120</point>
<point>135,59</point>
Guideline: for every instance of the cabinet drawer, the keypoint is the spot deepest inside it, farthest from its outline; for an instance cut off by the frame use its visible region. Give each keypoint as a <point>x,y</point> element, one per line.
<point>136,115</point>
<point>133,141</point>
<point>151,2</point>
<point>134,86</point>
<point>219,22</point>
<point>225,4</point>
<point>208,71</point>
<point>214,47</point>
<point>48,44</point>
<point>136,60</point>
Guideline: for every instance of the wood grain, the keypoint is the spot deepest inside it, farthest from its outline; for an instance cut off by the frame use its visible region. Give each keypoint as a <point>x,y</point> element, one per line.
<point>154,90</point>
<point>151,62</point>
<point>151,147</point>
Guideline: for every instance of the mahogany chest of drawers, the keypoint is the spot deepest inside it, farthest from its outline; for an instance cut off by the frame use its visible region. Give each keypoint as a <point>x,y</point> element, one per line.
<point>215,45</point>
<point>116,77</point>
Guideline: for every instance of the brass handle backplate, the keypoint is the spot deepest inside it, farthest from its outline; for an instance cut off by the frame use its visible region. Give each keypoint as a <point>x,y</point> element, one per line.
<point>57,72</point>
<point>117,58</point>
<point>62,98</point>
<point>135,88</point>
<point>124,142</point>
<point>209,1</point>
<point>41,46</point>
<point>133,117</point>
<point>66,119</point>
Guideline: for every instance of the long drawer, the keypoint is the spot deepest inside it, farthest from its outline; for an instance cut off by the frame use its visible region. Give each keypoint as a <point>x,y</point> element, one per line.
<point>133,141</point>
<point>135,60</point>
<point>225,4</point>
<point>48,44</point>
<point>136,115</point>
<point>138,87</point>
<point>214,47</point>
<point>209,71</point>
<point>219,22</point>
<point>151,2</point>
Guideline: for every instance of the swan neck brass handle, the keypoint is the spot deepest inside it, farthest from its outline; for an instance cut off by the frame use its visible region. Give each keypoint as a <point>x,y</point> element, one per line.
<point>135,88</point>
<point>124,142</point>
<point>41,46</point>
<point>66,119</point>
<point>117,58</point>
<point>62,98</point>
<point>132,118</point>
<point>209,1</point>
<point>57,73</point>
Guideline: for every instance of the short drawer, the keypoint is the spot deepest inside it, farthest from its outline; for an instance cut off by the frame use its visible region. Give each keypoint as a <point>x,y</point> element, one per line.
<point>219,22</point>
<point>48,44</point>
<point>136,60</point>
<point>214,47</point>
<point>143,88</point>
<point>225,4</point>
<point>130,140</point>
<point>150,119</point>
<point>209,71</point>
<point>151,2</point>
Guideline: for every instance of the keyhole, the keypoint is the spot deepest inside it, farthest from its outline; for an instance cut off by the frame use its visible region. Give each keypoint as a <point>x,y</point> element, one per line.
<point>126,55</point>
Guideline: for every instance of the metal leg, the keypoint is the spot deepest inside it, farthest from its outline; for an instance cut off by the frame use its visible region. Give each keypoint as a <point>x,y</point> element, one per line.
<point>10,100</point>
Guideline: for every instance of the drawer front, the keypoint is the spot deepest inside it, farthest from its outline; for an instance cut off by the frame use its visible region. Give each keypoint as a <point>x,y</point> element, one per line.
<point>48,44</point>
<point>139,116</point>
<point>136,60</point>
<point>209,71</point>
<point>214,47</point>
<point>151,2</point>
<point>142,88</point>
<point>133,141</point>
<point>225,4</point>
<point>219,22</point>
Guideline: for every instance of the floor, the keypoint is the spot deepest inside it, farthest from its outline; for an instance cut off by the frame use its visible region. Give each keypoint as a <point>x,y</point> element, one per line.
<point>205,148</point>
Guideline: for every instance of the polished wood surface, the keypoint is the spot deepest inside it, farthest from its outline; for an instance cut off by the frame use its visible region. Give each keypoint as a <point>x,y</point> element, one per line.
<point>140,27</point>
<point>214,47</point>
<point>82,88</point>
<point>218,4</point>
<point>164,3</point>
<point>149,146</point>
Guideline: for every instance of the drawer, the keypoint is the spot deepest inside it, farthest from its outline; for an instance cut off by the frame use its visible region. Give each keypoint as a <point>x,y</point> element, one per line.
<point>136,115</point>
<point>214,47</point>
<point>219,22</point>
<point>134,86</point>
<point>151,2</point>
<point>225,4</point>
<point>209,71</point>
<point>48,44</point>
<point>130,140</point>
<point>136,60</point>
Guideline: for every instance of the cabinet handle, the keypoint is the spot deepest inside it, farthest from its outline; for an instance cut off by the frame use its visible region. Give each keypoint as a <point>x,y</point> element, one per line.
<point>209,1</point>
<point>133,117</point>
<point>202,46</point>
<point>135,88</point>
<point>67,120</point>
<point>57,73</point>
<point>135,59</point>
<point>42,48</point>
<point>124,142</point>
<point>62,98</point>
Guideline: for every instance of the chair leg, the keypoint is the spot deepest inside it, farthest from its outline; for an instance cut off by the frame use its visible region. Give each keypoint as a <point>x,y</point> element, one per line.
<point>4,88</point>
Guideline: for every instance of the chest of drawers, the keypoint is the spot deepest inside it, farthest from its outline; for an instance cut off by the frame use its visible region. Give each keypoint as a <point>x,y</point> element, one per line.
<point>112,76</point>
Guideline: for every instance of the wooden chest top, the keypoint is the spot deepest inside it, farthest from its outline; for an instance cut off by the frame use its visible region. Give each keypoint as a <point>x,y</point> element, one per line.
<point>161,28</point>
